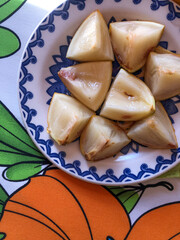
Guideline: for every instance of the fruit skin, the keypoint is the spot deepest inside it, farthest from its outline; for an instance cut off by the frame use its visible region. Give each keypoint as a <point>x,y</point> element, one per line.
<point>88,82</point>
<point>57,204</point>
<point>66,118</point>
<point>158,224</point>
<point>129,99</point>
<point>162,74</point>
<point>101,139</point>
<point>91,42</point>
<point>133,40</point>
<point>162,50</point>
<point>155,131</point>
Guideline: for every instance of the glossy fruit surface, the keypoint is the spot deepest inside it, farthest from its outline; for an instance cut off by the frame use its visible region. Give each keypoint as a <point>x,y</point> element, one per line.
<point>133,40</point>
<point>162,74</point>
<point>66,118</point>
<point>91,41</point>
<point>155,131</point>
<point>88,82</point>
<point>129,99</point>
<point>101,139</point>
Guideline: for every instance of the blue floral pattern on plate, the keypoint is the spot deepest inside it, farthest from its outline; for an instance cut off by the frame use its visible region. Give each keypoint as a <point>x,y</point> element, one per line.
<point>55,85</point>
<point>174,9</point>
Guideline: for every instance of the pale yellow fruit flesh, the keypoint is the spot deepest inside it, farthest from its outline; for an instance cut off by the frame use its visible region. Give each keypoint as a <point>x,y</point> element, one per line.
<point>155,131</point>
<point>128,99</point>
<point>88,82</point>
<point>91,41</point>
<point>101,139</point>
<point>133,40</point>
<point>162,75</point>
<point>66,118</point>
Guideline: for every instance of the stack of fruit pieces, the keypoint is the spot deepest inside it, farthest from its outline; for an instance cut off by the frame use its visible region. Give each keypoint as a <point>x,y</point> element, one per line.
<point>127,98</point>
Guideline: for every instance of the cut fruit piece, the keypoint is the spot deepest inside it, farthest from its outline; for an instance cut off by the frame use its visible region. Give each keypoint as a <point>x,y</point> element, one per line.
<point>155,131</point>
<point>133,40</point>
<point>162,75</point>
<point>162,50</point>
<point>66,118</point>
<point>88,82</point>
<point>125,125</point>
<point>91,42</point>
<point>129,99</point>
<point>101,139</point>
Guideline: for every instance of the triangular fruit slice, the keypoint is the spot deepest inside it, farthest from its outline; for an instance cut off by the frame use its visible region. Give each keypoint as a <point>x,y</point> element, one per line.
<point>66,118</point>
<point>162,74</point>
<point>133,40</point>
<point>129,99</point>
<point>91,41</point>
<point>155,131</point>
<point>101,139</point>
<point>88,82</point>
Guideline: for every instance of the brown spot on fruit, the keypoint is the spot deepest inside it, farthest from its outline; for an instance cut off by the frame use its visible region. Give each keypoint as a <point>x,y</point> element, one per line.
<point>126,117</point>
<point>48,130</point>
<point>169,72</point>
<point>106,144</point>
<point>151,123</point>
<point>171,146</point>
<point>128,94</point>
<point>89,156</point>
<point>152,108</point>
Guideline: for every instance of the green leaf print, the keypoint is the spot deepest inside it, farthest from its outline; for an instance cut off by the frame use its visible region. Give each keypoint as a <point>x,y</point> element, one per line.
<point>173,173</point>
<point>12,132</point>
<point>3,199</point>
<point>10,158</point>
<point>8,7</point>
<point>12,143</point>
<point>22,171</point>
<point>128,196</point>
<point>2,236</point>
<point>17,151</point>
<point>9,42</point>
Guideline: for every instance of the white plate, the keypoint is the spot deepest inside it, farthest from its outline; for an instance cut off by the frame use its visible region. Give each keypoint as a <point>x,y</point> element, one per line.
<point>45,55</point>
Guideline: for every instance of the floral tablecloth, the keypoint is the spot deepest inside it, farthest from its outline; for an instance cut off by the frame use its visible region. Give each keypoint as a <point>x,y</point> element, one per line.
<point>39,201</point>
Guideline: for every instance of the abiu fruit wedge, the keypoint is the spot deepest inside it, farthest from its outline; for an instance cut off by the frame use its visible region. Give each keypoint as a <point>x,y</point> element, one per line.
<point>155,131</point>
<point>66,118</point>
<point>88,82</point>
<point>129,99</point>
<point>162,74</point>
<point>132,41</point>
<point>101,139</point>
<point>91,41</point>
